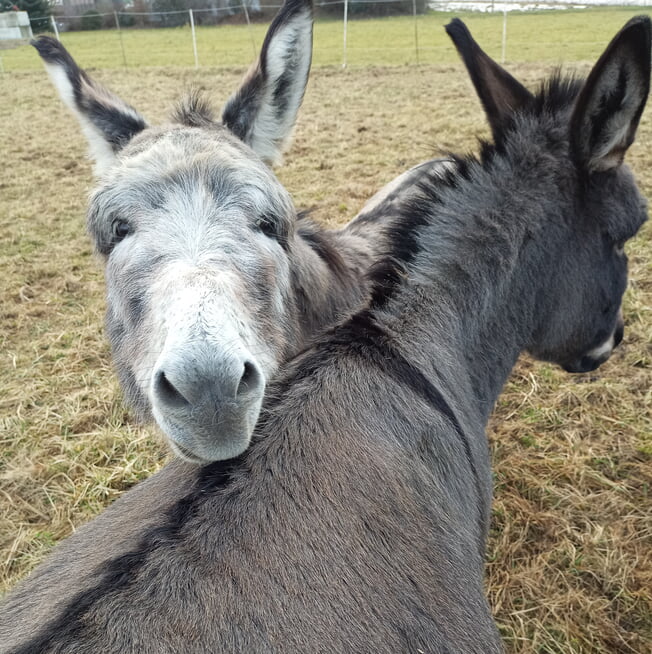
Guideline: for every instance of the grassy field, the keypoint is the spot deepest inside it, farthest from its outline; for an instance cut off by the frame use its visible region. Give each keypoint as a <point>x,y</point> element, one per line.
<point>559,36</point>
<point>570,554</point>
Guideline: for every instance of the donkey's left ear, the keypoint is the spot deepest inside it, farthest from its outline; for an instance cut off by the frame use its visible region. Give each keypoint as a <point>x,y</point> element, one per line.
<point>262,112</point>
<point>500,93</point>
<point>107,122</point>
<point>611,102</point>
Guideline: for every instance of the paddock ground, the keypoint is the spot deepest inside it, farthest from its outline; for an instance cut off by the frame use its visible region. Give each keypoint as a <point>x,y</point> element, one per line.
<point>570,555</point>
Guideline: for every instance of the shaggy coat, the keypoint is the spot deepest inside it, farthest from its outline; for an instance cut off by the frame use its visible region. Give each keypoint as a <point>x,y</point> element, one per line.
<point>357,520</point>
<point>212,278</point>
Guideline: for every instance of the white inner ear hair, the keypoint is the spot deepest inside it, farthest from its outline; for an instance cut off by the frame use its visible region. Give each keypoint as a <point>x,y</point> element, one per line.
<point>292,43</point>
<point>99,148</point>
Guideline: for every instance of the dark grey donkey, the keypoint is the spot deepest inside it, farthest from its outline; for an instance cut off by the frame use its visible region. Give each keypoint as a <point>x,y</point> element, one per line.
<point>212,282</point>
<point>356,521</point>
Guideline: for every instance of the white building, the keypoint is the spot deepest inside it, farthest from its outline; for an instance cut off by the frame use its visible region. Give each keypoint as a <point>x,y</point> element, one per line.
<point>15,25</point>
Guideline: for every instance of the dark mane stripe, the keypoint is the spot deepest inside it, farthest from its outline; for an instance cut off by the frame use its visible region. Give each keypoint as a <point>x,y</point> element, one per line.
<point>402,234</point>
<point>122,570</point>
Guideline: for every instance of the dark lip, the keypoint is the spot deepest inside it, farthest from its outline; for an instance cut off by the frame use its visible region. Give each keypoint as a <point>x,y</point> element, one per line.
<point>585,364</point>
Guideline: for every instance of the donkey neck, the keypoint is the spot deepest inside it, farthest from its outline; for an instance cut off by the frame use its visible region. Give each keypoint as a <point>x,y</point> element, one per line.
<point>327,277</point>
<point>476,278</point>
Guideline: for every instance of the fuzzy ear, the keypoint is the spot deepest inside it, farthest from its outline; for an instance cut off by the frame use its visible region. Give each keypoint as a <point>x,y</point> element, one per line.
<point>107,121</point>
<point>498,91</point>
<point>611,102</point>
<point>263,110</point>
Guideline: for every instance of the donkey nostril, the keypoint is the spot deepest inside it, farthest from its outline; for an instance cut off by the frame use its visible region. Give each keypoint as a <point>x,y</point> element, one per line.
<point>250,378</point>
<point>167,392</point>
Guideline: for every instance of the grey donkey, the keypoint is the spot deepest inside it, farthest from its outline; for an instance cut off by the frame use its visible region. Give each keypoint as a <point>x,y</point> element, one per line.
<point>357,519</point>
<point>212,278</point>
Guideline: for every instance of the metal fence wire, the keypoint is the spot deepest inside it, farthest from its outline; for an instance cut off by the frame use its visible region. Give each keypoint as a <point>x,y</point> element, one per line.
<point>211,16</point>
<point>417,44</point>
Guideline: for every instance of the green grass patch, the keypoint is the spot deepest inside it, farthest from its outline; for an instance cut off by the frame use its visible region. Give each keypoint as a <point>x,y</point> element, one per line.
<point>569,35</point>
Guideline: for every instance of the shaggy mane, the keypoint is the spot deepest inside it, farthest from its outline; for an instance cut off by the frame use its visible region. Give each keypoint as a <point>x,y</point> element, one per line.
<point>390,269</point>
<point>194,110</point>
<point>557,92</point>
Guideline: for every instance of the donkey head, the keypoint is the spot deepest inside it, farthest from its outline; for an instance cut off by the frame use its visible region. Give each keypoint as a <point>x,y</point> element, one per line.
<point>583,130</point>
<point>196,234</point>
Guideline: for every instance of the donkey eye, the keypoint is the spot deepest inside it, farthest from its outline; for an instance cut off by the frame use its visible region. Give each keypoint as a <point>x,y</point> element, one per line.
<point>120,229</point>
<point>268,226</point>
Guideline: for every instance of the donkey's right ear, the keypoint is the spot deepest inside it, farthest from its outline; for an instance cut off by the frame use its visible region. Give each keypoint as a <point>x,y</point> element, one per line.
<point>499,92</point>
<point>609,106</point>
<point>108,122</point>
<point>262,112</point>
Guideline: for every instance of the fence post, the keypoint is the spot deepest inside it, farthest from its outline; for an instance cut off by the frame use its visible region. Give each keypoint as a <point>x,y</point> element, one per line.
<point>194,38</point>
<point>504,46</point>
<point>416,33</point>
<point>346,22</point>
<point>54,27</point>
<point>122,45</point>
<point>251,34</point>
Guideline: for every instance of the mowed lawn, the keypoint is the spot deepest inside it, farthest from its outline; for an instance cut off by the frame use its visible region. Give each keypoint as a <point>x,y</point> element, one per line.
<point>570,552</point>
<point>552,37</point>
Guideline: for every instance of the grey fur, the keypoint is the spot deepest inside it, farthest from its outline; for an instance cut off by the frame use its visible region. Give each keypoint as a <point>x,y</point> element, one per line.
<point>212,280</point>
<point>357,520</point>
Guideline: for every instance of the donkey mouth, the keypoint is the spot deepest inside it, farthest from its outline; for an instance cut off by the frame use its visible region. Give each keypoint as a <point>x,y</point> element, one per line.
<point>594,358</point>
<point>585,364</point>
<point>187,454</point>
<point>204,442</point>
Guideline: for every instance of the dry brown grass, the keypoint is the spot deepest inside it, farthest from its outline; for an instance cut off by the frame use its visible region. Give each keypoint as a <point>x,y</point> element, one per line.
<point>569,569</point>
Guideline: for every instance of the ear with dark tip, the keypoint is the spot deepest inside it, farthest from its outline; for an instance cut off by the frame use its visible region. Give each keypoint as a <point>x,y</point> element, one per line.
<point>500,93</point>
<point>107,122</point>
<point>262,112</point>
<point>610,104</point>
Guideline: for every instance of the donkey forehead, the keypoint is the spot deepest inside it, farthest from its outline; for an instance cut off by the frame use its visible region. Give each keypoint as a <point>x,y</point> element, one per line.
<point>163,165</point>
<point>160,164</point>
<point>181,139</point>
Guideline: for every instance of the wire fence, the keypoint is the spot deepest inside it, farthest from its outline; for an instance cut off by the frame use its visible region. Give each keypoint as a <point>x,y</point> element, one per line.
<point>121,20</point>
<point>231,35</point>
